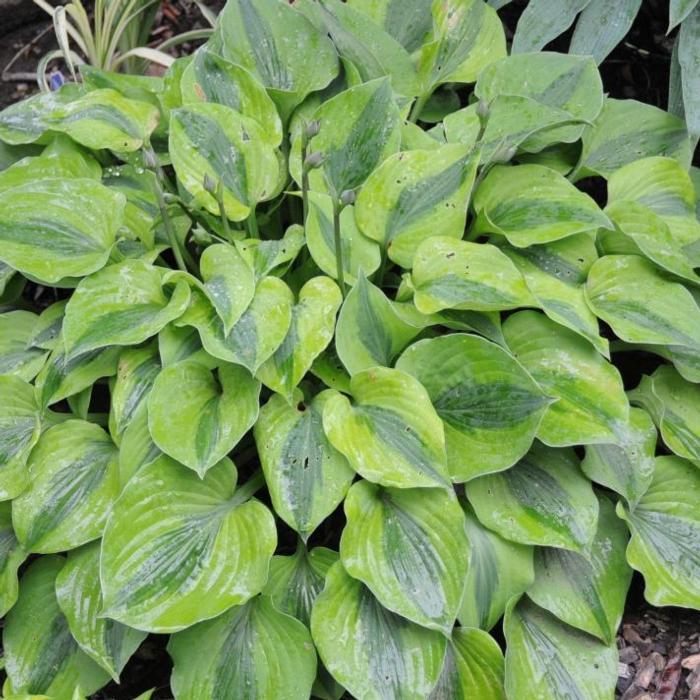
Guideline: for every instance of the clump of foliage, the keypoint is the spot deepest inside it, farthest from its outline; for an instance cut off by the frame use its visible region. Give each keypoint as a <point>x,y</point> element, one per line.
<point>345,254</point>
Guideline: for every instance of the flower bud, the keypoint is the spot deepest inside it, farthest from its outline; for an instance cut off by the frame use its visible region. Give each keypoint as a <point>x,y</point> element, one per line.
<point>504,155</point>
<point>347,197</point>
<point>312,128</point>
<point>150,159</point>
<point>482,110</point>
<point>209,184</point>
<point>313,160</point>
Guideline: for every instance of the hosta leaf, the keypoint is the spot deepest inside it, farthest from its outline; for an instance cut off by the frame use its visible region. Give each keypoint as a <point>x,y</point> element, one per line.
<point>136,372</point>
<point>640,304</point>
<point>20,426</point>
<point>498,570</point>
<point>360,254</point>
<point>73,482</point>
<point>306,476</point>
<point>136,448</point>
<point>391,434</point>
<point>310,331</point>
<point>179,549</point>
<point>212,140</point>
<point>473,668</point>
<point>679,10</point>
<point>590,397</point>
<point>409,548</point>
<point>665,544</point>
<point>627,130</point>
<point>216,411</point>
<point>467,35</point>
<point>108,643</point>
<point>531,204</point>
<point>490,406</point>
<point>177,343</point>
<point>587,590</point>
<point>626,465</point>
<point>542,21</point>
<point>12,555</point>
<point>258,333</point>
<point>408,22</point>
<point>452,274</point>
<point>61,227</point>
<point>47,329</point>
<point>371,651</point>
<point>360,127</point>
<point>674,404</point>
<point>413,195</point>
<point>568,83</point>
<point>555,273</point>
<point>370,331</point>
<point>547,659</point>
<point>123,304</point>
<point>544,500</point>
<point>41,656</point>
<point>251,651</point>
<point>17,357</point>
<point>273,256</point>
<point>51,164</point>
<point>688,59</point>
<point>211,78</point>
<point>274,42</point>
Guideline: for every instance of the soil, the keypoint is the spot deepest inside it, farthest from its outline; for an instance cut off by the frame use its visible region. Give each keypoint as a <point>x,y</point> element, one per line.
<point>659,648</point>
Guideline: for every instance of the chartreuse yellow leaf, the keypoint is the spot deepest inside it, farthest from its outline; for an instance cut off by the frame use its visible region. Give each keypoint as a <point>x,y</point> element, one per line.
<point>674,404</point>
<point>20,426</point>
<point>59,227</point>
<point>306,476</point>
<point>454,274</point>
<point>272,256</point>
<point>179,549</point>
<point>12,555</point>
<point>532,204</point>
<point>546,658</point>
<point>590,398</point>
<point>587,590</point>
<point>498,570</point>
<point>371,651</point>
<point>108,643</point>
<point>40,654</point>
<point>390,432</point>
<point>408,22</point>
<point>641,304</point>
<point>543,500</point>
<point>665,525</point>
<point>17,356</point>
<point>136,447</point>
<point>73,482</point>
<point>414,195</point>
<point>473,667</point>
<point>410,548</point>
<point>490,406</point>
<point>123,304</point>
<point>252,650</point>
<point>197,416</point>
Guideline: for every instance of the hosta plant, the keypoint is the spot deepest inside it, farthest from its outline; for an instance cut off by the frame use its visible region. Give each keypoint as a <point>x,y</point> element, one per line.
<point>355,355</point>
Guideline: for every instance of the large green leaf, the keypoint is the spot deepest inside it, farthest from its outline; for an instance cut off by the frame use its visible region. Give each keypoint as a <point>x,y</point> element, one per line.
<point>542,21</point>
<point>370,330</point>
<point>275,42</point>
<point>310,331</point>
<point>626,465</point>
<point>587,590</point>
<point>306,476</point>
<point>197,417</point>
<point>272,256</point>
<point>543,500</point>
<point>391,434</point>
<point>413,195</point>
<point>108,643</point>
<point>213,141</point>
<point>17,356</point>
<point>371,651</point>
<point>251,651</point>
<point>179,549</point>
<point>52,163</point>
<point>665,525</point>
<point>531,204</point>
<point>408,22</point>
<point>642,305</point>
<point>473,668</point>
<point>453,274</point>
<point>73,481</point>
<point>122,304</point>
<point>489,404</point>
<point>136,448</point>
<point>590,397</point>
<point>12,556</point>
<point>689,59</point>
<point>20,426</point>
<point>410,548</point>
<point>549,660</point>
<point>498,570</point>
<point>41,657</point>
<point>59,227</point>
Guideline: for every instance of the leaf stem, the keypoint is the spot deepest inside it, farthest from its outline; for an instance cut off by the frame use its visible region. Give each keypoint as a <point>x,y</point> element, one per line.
<point>418,107</point>
<point>222,210</point>
<point>249,489</point>
<point>168,224</point>
<point>337,208</point>
<point>252,224</point>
